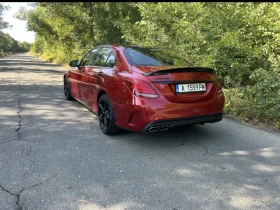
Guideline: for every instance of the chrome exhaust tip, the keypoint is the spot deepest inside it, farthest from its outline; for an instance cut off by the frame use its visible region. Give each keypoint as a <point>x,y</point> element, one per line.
<point>158,128</point>
<point>153,129</point>
<point>164,127</point>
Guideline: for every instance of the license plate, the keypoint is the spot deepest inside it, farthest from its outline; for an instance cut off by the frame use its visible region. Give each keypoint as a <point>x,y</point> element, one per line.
<point>186,88</point>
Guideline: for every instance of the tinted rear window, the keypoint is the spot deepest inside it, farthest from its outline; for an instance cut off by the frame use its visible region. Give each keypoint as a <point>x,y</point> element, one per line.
<point>137,56</point>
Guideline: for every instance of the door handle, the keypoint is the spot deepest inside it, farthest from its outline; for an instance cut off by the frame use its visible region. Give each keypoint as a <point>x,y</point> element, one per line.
<point>100,73</point>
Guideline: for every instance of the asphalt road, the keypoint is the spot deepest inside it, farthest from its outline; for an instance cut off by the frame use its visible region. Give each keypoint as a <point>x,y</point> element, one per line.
<point>53,156</point>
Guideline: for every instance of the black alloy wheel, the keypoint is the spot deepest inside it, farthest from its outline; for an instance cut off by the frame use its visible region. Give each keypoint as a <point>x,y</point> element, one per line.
<point>106,116</point>
<point>67,92</point>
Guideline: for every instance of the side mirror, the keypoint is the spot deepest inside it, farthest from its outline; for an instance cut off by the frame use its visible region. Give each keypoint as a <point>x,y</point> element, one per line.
<point>73,63</point>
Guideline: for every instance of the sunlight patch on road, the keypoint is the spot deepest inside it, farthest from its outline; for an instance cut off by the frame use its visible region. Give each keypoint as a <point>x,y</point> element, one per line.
<point>121,206</point>
<point>237,152</point>
<point>268,152</point>
<point>252,187</point>
<point>265,152</point>
<point>242,201</point>
<point>186,172</point>
<point>265,168</point>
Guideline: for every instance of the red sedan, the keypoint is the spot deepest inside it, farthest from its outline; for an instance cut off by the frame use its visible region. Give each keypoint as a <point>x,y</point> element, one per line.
<point>143,89</point>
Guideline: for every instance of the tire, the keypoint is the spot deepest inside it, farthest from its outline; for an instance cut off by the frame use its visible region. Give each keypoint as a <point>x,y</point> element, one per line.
<point>67,92</point>
<point>106,116</point>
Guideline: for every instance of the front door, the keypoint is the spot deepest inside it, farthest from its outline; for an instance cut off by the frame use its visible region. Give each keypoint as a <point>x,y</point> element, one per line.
<point>83,69</point>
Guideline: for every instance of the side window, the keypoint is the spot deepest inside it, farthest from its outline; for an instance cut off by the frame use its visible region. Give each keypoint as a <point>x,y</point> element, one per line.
<point>89,57</point>
<point>84,60</point>
<point>111,60</point>
<point>102,56</point>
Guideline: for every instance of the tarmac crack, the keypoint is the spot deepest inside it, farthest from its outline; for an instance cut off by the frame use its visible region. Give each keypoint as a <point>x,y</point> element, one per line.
<point>18,194</point>
<point>20,108</point>
<point>7,191</point>
<point>20,118</point>
<point>32,162</point>
<point>266,204</point>
<point>3,142</point>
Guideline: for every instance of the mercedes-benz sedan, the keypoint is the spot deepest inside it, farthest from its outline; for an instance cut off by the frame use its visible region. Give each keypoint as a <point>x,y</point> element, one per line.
<point>143,89</point>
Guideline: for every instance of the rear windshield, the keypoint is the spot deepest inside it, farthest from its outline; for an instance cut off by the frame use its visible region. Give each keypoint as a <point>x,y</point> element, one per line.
<point>138,56</point>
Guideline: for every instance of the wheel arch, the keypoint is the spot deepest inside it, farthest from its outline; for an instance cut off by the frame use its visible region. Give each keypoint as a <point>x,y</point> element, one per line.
<point>100,93</point>
<point>65,76</point>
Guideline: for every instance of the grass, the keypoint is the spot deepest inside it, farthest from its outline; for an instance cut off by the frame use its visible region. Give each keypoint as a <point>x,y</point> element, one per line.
<point>50,59</point>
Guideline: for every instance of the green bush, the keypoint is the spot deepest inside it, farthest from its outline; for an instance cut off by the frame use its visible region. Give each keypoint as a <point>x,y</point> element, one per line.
<point>265,93</point>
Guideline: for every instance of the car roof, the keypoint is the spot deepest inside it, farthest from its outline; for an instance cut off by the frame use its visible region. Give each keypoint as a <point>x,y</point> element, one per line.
<point>128,46</point>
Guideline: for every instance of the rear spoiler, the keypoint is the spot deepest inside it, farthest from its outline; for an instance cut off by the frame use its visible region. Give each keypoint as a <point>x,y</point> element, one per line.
<point>177,70</point>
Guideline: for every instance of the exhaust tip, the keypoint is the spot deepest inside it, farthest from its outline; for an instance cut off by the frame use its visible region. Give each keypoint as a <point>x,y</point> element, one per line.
<point>164,127</point>
<point>153,129</point>
<point>158,128</point>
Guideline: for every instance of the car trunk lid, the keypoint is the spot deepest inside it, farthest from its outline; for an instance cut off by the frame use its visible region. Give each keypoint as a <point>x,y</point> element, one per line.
<point>182,84</point>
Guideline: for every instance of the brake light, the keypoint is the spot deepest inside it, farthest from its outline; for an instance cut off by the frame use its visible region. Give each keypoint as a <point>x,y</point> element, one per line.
<point>141,89</point>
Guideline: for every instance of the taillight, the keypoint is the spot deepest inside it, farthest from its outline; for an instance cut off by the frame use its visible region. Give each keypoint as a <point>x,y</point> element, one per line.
<point>141,89</point>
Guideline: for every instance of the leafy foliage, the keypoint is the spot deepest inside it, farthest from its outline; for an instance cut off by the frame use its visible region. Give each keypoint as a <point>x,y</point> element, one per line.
<point>7,43</point>
<point>65,35</point>
<point>3,24</point>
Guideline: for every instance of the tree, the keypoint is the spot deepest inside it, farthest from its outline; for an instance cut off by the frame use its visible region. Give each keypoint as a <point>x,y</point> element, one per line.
<point>3,24</point>
<point>7,43</point>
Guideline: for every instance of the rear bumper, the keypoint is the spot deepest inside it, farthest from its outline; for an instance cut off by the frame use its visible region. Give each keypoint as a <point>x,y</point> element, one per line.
<point>145,113</point>
<point>161,125</point>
